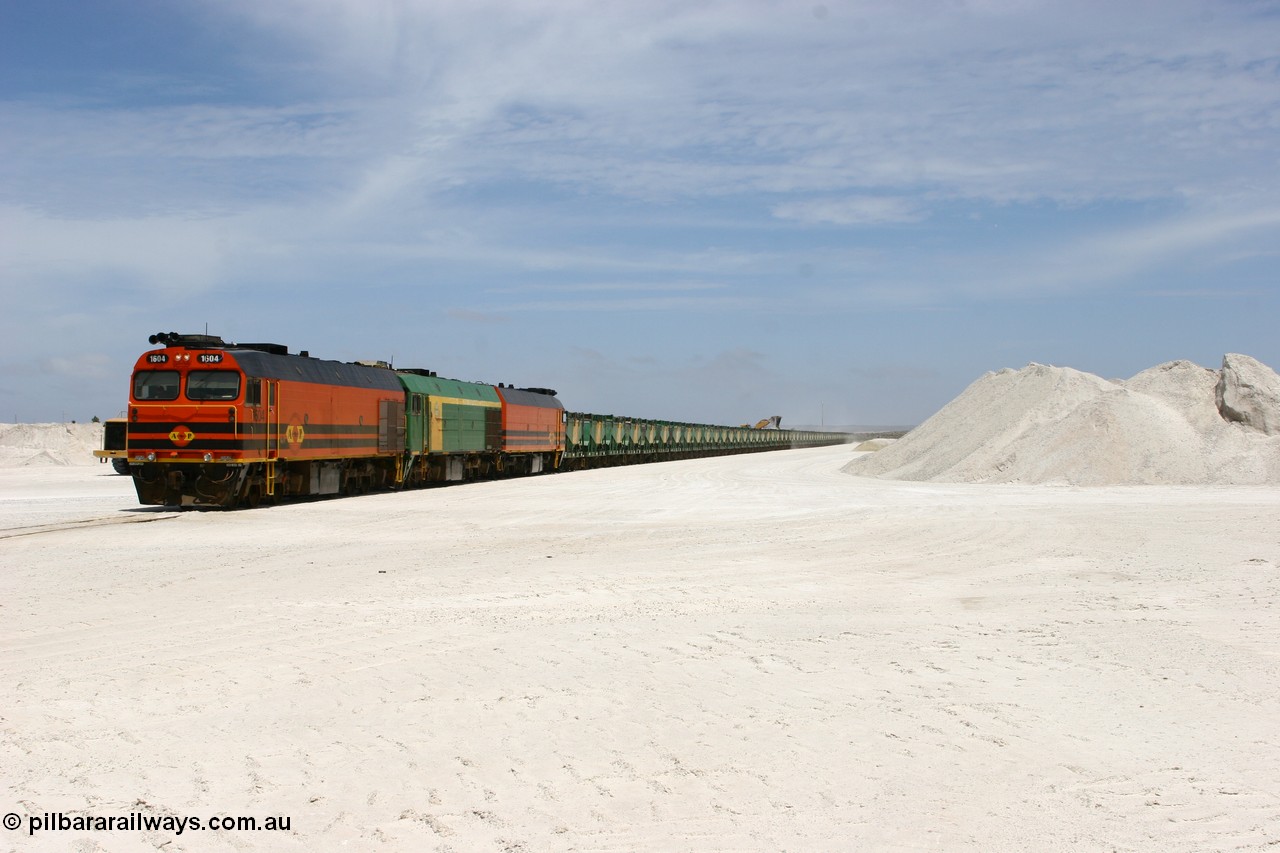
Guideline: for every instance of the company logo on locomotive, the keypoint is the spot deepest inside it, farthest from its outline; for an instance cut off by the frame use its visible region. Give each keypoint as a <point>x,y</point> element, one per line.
<point>182,435</point>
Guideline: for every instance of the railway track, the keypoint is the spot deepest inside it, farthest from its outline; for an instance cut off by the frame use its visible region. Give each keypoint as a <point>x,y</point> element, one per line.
<point>78,524</point>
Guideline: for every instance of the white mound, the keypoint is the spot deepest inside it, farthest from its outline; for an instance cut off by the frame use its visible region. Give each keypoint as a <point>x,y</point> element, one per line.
<point>1045,424</point>
<point>23,445</point>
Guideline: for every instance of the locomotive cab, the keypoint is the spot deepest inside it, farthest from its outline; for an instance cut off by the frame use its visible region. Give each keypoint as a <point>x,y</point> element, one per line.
<point>187,420</point>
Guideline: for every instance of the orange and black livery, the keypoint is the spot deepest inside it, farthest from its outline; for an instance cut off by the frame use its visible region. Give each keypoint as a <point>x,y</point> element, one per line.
<point>215,424</point>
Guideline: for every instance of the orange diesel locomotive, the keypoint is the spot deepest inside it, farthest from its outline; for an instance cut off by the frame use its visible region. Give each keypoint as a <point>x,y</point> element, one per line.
<point>214,424</point>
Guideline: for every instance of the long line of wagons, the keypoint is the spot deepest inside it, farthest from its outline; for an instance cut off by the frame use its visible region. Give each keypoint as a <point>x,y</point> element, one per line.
<point>214,424</point>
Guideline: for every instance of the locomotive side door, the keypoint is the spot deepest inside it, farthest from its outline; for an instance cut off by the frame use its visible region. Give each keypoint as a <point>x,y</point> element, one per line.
<point>272,432</point>
<point>262,438</point>
<point>416,440</point>
<point>435,425</point>
<point>263,417</point>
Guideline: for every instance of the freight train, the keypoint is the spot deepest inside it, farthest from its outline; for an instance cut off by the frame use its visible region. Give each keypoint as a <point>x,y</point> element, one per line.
<point>215,424</point>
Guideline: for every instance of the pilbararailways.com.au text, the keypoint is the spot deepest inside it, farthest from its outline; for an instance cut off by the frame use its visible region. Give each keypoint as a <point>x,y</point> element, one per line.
<point>139,822</point>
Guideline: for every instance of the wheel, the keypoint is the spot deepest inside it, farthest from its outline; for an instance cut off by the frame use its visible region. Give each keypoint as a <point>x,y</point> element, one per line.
<point>121,466</point>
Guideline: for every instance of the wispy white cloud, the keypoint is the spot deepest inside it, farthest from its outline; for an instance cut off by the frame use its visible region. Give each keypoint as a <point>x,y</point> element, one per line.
<point>1170,239</point>
<point>998,101</point>
<point>612,287</point>
<point>149,256</point>
<point>620,304</point>
<point>1110,258</point>
<point>865,210</point>
<point>479,317</point>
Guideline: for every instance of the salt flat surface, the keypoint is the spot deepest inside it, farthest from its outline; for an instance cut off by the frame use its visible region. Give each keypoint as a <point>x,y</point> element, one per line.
<point>36,497</point>
<point>754,653</point>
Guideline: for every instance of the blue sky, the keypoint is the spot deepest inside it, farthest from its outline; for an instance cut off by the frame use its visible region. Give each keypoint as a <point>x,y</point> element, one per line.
<point>712,211</point>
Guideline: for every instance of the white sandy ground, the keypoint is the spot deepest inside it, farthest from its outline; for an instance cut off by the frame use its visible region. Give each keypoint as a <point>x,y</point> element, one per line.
<point>753,653</point>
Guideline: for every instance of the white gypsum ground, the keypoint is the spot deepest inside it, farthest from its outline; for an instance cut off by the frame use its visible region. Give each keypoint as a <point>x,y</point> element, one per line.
<point>746,653</point>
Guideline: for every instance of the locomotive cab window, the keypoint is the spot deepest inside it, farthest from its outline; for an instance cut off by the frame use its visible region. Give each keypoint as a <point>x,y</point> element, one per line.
<point>155,385</point>
<point>213,385</point>
<point>253,392</point>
